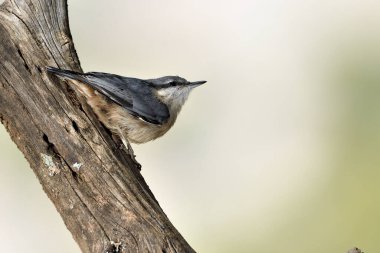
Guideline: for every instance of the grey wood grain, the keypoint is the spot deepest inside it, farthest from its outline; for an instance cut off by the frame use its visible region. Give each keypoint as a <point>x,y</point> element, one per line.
<point>94,184</point>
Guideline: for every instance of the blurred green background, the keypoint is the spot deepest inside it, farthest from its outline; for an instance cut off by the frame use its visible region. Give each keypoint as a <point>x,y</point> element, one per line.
<point>278,152</point>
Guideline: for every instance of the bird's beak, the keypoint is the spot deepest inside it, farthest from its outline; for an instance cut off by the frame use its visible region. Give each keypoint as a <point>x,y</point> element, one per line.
<point>194,84</point>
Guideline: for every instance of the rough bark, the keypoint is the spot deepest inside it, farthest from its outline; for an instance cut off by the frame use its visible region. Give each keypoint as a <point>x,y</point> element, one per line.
<point>94,184</point>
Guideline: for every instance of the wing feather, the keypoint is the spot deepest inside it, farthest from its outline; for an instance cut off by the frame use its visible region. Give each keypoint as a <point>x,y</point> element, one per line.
<point>133,94</point>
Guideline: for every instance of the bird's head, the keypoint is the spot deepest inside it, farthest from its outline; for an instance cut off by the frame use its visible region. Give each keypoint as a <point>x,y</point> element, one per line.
<point>173,90</point>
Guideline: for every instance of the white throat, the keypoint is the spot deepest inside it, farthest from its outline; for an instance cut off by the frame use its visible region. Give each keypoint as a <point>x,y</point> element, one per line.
<point>174,98</point>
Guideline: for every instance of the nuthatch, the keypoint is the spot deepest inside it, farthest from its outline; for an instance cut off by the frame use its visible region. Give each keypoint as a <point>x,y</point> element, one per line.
<point>138,110</point>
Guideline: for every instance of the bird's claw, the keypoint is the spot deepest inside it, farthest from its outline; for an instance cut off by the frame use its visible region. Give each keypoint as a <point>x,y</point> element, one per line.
<point>129,150</point>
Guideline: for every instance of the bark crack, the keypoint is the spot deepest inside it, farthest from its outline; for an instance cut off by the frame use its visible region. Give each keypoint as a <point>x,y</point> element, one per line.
<point>23,59</point>
<point>84,204</point>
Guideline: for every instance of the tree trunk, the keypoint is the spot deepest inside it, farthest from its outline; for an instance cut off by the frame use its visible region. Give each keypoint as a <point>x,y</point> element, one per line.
<point>93,183</point>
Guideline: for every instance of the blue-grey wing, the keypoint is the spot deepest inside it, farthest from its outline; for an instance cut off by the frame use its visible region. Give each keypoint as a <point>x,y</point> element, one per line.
<point>132,94</point>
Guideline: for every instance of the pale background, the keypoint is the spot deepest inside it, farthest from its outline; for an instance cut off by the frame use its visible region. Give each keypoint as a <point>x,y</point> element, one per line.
<point>278,152</point>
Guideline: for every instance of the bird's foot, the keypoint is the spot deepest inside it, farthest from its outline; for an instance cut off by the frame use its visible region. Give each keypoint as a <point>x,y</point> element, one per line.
<point>129,150</point>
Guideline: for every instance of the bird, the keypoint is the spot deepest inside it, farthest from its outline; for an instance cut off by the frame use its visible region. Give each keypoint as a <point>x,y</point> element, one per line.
<point>137,110</point>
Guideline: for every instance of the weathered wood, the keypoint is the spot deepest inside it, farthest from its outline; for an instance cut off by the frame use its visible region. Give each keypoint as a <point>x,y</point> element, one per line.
<point>94,184</point>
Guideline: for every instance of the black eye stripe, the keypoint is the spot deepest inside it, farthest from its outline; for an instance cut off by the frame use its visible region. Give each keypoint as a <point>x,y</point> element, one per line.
<point>168,83</point>
<point>171,84</point>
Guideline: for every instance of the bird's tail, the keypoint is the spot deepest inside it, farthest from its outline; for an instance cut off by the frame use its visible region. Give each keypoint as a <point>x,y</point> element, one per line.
<point>65,73</point>
<point>82,85</point>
